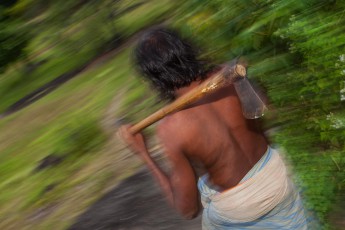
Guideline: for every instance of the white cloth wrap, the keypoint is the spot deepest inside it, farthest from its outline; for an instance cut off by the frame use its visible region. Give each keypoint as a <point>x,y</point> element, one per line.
<point>256,196</point>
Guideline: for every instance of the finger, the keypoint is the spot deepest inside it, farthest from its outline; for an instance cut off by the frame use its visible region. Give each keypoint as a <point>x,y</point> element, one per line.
<point>121,136</point>
<point>125,136</point>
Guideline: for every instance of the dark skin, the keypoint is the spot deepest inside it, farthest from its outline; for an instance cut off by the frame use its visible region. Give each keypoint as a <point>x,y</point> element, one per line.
<point>210,136</point>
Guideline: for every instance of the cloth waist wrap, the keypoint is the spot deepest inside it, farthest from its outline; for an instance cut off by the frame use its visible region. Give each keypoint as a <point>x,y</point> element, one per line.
<point>264,187</point>
<point>251,199</point>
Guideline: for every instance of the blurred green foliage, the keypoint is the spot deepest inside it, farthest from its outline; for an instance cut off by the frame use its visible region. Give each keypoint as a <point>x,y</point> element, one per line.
<point>13,39</point>
<point>78,137</point>
<point>59,154</point>
<point>64,36</point>
<point>296,49</point>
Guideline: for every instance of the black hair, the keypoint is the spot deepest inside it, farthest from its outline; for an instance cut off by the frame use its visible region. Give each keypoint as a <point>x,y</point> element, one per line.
<point>167,61</point>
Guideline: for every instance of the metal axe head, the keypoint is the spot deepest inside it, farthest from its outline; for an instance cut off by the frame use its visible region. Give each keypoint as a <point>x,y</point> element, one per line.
<point>253,106</point>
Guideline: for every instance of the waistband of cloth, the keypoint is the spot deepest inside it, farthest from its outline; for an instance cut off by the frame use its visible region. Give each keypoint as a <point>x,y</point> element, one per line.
<point>259,165</point>
<point>257,195</point>
<point>203,180</point>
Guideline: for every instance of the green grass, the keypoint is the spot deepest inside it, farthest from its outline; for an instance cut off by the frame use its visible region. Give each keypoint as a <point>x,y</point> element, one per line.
<point>74,47</point>
<point>52,125</point>
<point>74,121</point>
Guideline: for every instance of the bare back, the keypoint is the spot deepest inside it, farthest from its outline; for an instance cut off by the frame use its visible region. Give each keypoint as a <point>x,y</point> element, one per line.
<point>214,134</point>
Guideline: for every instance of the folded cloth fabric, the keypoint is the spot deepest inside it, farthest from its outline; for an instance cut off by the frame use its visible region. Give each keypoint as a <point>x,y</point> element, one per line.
<point>264,199</point>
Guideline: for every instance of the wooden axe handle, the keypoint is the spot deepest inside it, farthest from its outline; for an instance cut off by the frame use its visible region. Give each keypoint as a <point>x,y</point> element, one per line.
<point>224,77</point>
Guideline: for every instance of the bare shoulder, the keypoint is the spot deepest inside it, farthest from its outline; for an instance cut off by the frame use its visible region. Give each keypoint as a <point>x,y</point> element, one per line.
<point>173,131</point>
<point>167,129</point>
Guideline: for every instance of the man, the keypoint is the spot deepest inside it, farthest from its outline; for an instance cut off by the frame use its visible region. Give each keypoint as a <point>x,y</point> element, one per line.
<point>243,182</point>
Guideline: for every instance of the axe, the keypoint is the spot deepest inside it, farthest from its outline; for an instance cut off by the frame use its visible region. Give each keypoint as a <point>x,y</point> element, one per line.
<point>232,73</point>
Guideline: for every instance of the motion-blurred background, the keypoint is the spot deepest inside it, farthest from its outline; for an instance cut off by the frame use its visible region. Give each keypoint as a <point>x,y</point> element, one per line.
<point>67,77</point>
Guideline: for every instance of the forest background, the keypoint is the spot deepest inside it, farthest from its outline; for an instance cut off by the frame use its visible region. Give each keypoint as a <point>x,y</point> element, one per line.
<point>57,147</point>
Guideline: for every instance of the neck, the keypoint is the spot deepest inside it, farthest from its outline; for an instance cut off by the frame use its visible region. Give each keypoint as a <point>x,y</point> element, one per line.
<point>181,91</point>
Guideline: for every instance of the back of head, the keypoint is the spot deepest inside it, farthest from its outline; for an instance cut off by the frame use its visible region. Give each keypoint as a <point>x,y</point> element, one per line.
<point>167,61</point>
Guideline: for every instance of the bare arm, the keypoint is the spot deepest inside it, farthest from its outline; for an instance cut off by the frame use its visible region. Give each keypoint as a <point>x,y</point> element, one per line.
<point>180,186</point>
